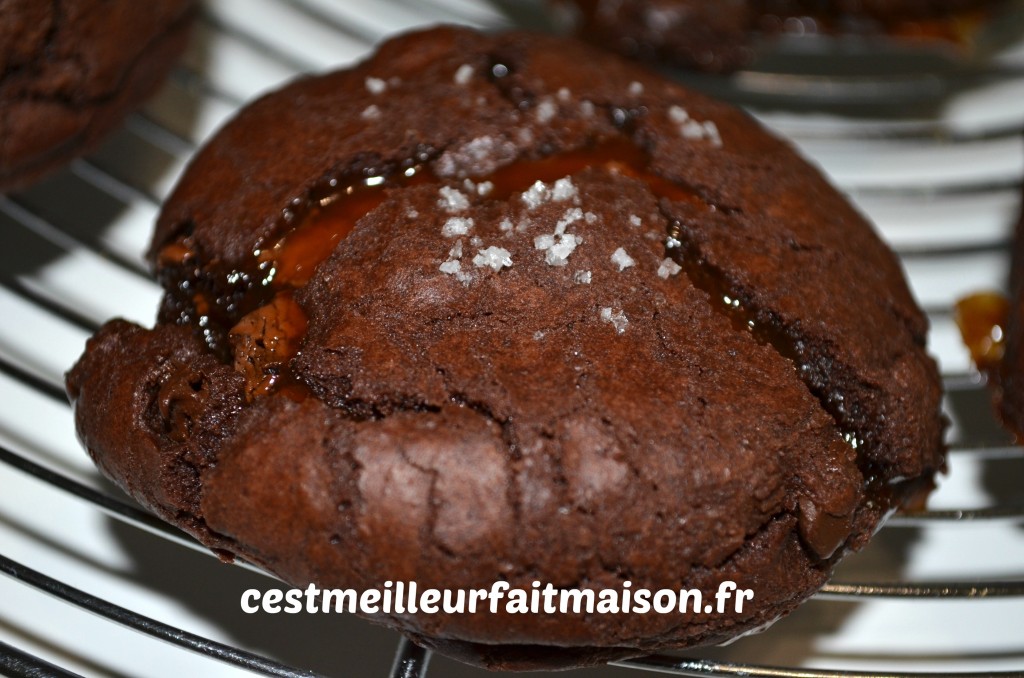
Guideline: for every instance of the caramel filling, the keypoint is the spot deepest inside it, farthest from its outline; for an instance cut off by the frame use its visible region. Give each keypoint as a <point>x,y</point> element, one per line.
<point>265,340</point>
<point>258,326</point>
<point>982,321</point>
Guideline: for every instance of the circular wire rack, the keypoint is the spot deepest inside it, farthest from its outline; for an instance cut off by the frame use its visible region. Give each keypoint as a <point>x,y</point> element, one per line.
<point>928,144</point>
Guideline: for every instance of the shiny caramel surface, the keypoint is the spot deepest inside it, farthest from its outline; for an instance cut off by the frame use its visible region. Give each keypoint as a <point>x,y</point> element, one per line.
<point>982,320</point>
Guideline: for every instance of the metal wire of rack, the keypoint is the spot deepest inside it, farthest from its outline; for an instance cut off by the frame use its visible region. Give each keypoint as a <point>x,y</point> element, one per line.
<point>942,183</point>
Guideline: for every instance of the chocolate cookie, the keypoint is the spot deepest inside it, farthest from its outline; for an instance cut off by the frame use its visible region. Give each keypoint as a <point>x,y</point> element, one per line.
<point>1010,386</point>
<point>504,307</point>
<point>721,36</point>
<point>71,70</point>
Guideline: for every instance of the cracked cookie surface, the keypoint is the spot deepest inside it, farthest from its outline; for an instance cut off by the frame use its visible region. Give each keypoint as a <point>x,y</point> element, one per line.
<point>70,70</point>
<point>504,307</point>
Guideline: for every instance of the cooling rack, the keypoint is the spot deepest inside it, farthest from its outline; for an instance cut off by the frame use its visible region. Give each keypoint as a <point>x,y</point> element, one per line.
<point>95,586</point>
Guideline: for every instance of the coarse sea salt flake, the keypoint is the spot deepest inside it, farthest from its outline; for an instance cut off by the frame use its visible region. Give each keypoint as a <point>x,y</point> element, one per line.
<point>494,257</point>
<point>691,129</point>
<point>622,260</point>
<point>668,268</point>
<point>506,225</point>
<point>636,88</point>
<point>564,94</point>
<point>558,254</point>
<point>582,277</point>
<point>456,251</point>
<point>543,242</point>
<point>375,85</point>
<point>678,115</point>
<point>711,133</point>
<point>635,220</point>
<point>371,112</point>
<point>456,226</point>
<point>463,74</point>
<point>452,199</point>
<point>571,215</point>
<point>450,267</point>
<point>590,217</point>
<point>563,190</point>
<point>617,318</point>
<point>536,195</point>
<point>546,110</point>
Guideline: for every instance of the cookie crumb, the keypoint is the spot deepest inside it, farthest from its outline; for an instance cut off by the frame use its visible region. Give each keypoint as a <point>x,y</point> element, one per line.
<point>622,260</point>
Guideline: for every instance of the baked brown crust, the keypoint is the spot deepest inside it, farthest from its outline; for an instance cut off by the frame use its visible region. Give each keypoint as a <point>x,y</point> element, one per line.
<point>71,70</point>
<point>722,35</point>
<point>397,419</point>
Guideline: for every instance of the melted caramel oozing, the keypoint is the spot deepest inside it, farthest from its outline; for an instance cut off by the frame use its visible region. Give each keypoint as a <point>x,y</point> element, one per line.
<point>265,340</point>
<point>176,253</point>
<point>295,256</point>
<point>982,321</point>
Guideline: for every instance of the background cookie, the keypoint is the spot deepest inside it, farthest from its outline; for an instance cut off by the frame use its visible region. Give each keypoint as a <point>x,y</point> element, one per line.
<point>1010,381</point>
<point>71,70</point>
<point>280,361</point>
<point>720,36</point>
